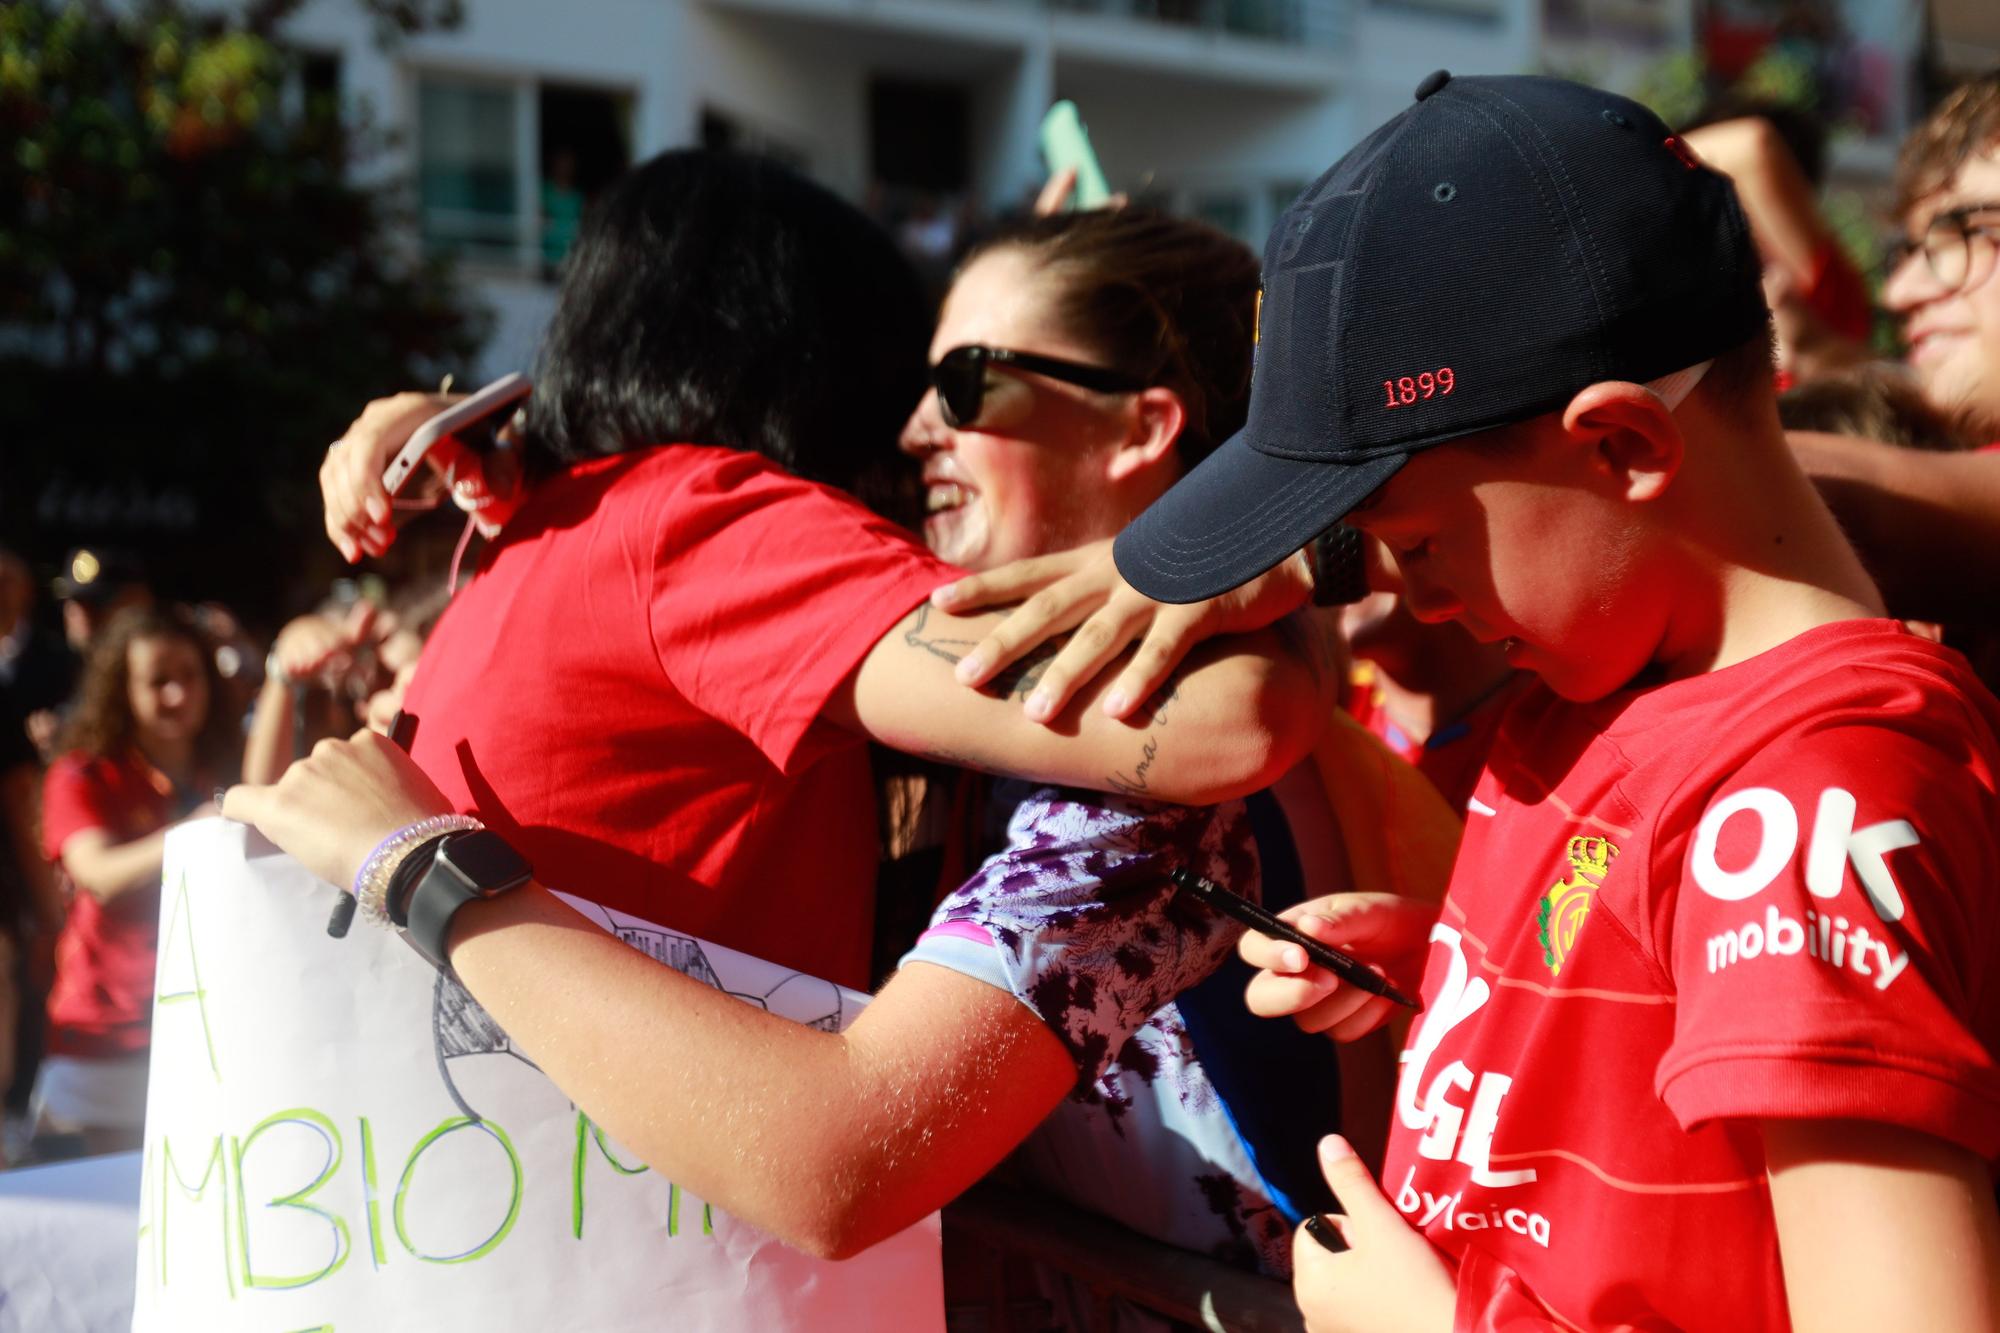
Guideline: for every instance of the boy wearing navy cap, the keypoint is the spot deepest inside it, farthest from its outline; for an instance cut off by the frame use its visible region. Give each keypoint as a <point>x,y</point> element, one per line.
<point>1711,1004</point>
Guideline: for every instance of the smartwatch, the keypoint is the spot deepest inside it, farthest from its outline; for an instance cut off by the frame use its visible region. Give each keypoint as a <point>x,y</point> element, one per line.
<point>465,867</point>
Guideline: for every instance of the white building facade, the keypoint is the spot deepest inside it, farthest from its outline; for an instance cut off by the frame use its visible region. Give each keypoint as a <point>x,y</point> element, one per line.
<point>1218,108</point>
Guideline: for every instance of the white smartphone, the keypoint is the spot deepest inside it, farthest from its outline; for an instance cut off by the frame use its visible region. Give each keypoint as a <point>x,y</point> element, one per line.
<point>460,428</point>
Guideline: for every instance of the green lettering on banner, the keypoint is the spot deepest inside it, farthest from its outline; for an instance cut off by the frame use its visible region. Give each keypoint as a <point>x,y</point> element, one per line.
<point>215,1161</point>
<point>342,1242</point>
<point>586,1130</point>
<point>674,1213</point>
<point>147,1198</point>
<point>368,1194</point>
<point>182,912</point>
<point>452,1126</point>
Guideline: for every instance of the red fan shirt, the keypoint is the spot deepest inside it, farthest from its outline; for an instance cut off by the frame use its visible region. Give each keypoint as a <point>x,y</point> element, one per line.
<point>101,1003</point>
<point>1762,892</point>
<point>630,690</point>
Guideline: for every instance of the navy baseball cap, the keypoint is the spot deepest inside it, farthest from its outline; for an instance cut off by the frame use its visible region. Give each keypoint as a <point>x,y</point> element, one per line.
<point>1475,262</point>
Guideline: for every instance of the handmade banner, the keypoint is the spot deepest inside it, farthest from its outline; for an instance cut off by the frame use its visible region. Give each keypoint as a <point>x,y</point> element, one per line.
<point>337,1136</point>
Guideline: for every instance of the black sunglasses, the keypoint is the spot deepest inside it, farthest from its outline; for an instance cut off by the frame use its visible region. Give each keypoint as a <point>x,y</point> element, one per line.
<point>960,378</point>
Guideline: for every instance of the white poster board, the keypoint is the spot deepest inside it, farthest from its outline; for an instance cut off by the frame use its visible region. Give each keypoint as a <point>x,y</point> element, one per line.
<point>310,1163</point>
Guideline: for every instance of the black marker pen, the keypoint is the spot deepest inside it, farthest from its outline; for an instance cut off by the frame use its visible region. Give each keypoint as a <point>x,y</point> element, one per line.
<point>1348,968</point>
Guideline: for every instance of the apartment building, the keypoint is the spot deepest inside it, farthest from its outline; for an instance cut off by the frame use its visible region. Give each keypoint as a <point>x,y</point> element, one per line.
<point>926,110</point>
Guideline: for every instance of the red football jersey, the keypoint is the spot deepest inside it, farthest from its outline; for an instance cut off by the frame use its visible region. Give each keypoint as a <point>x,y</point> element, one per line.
<point>631,692</point>
<point>1762,892</point>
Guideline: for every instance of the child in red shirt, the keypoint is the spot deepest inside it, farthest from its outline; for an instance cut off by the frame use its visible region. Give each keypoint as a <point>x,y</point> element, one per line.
<point>142,751</point>
<point>1710,1007</point>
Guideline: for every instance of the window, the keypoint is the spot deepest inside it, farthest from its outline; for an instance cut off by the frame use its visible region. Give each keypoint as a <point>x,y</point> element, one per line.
<point>583,143</point>
<point>506,168</point>
<point>1469,11</point>
<point>469,176</point>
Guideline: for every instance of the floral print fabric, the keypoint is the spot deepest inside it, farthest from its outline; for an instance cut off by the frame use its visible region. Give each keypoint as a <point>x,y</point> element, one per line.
<point>1076,917</point>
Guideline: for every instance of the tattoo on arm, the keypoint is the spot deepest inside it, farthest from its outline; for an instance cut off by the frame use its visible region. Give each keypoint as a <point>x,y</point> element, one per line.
<point>1017,681</point>
<point>1133,782</point>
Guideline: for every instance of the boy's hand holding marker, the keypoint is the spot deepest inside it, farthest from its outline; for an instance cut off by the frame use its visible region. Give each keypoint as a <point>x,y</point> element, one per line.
<point>1381,929</point>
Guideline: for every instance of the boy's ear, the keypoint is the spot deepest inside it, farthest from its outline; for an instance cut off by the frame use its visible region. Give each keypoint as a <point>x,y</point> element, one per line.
<point>1156,425</point>
<point>1633,437</point>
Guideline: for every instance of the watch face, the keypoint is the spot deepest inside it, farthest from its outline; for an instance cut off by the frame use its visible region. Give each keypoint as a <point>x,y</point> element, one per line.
<point>484,860</point>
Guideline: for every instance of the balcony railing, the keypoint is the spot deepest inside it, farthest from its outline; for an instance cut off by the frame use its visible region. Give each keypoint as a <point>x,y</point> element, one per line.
<point>1314,23</point>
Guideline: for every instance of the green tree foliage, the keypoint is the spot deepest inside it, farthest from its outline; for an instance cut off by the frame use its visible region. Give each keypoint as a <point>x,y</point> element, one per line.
<point>196,294</point>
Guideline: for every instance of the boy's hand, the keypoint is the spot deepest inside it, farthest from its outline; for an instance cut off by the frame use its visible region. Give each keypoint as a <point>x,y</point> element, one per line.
<point>1081,590</point>
<point>1390,933</point>
<point>1388,1280</point>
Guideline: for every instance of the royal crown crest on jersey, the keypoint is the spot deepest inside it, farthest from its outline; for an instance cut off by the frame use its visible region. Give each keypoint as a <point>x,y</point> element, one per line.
<point>1560,913</point>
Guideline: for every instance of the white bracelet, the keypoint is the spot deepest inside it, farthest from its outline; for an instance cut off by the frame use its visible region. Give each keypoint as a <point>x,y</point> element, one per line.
<point>371,882</point>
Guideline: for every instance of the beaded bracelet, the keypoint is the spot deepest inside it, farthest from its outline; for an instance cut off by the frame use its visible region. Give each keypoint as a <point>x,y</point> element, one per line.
<point>371,882</point>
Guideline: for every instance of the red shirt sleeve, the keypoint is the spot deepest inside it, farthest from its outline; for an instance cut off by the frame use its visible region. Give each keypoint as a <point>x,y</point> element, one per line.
<point>1839,294</point>
<point>1832,935</point>
<point>768,591</point>
<point>75,797</point>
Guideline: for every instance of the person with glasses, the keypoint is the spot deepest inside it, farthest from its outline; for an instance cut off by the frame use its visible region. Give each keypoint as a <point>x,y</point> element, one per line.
<point>658,683</point>
<point>1942,283</point>
<point>1929,523</point>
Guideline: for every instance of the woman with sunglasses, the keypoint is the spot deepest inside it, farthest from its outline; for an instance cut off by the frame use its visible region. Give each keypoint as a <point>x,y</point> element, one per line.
<point>831,1140</point>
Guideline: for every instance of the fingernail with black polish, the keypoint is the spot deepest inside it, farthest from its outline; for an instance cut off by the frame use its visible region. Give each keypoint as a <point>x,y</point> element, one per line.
<point>1326,1234</point>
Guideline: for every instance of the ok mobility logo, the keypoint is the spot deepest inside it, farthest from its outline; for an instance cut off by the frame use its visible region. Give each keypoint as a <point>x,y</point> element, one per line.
<point>1825,937</point>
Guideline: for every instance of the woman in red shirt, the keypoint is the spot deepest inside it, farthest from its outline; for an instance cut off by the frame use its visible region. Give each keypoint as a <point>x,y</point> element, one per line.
<point>140,752</point>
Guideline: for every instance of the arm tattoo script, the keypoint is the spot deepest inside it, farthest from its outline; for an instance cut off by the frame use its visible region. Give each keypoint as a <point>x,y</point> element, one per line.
<point>1017,681</point>
<point>1133,782</point>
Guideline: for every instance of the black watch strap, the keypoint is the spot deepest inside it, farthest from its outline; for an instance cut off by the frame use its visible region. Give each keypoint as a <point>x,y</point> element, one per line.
<point>468,866</point>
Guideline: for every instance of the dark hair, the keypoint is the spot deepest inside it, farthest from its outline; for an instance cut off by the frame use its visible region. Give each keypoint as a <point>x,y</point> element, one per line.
<point>1965,124</point>
<point>1747,371</point>
<point>1164,298</point>
<point>102,724</point>
<point>1874,402</point>
<point>715,298</point>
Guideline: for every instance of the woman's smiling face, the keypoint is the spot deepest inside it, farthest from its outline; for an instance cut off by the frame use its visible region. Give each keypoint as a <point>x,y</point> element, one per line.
<point>1027,476</point>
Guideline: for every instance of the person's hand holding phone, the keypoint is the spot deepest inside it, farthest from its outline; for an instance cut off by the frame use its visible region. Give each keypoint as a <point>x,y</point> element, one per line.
<point>358,512</point>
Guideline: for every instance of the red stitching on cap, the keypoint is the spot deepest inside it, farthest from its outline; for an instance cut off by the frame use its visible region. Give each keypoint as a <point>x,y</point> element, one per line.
<point>1407,389</point>
<point>1682,151</point>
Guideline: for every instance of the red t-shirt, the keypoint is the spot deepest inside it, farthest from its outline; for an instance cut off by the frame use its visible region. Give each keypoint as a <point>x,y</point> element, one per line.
<point>1762,892</point>
<point>101,1004</point>
<point>631,688</point>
